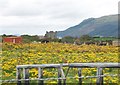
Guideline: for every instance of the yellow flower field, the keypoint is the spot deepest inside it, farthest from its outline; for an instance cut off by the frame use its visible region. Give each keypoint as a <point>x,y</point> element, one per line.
<point>38,53</point>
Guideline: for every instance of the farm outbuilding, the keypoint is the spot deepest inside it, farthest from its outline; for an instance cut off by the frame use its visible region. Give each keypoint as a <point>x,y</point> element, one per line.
<point>12,39</point>
<point>116,43</point>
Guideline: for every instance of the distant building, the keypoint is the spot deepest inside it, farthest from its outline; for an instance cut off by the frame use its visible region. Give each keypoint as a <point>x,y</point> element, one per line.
<point>41,37</point>
<point>12,39</point>
<point>51,34</point>
<point>116,43</point>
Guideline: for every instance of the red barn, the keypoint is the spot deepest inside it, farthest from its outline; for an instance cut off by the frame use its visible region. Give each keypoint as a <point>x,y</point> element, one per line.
<point>13,39</point>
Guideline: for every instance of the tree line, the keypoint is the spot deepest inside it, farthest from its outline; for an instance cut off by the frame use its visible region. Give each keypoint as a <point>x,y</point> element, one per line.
<point>66,39</point>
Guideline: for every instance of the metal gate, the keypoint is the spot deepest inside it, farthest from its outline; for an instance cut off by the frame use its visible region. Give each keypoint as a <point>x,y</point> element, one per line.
<point>62,77</point>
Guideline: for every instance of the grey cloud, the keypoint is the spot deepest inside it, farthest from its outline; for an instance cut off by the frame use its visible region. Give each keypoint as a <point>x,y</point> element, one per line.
<point>24,16</point>
<point>22,8</point>
<point>3,3</point>
<point>40,8</point>
<point>28,29</point>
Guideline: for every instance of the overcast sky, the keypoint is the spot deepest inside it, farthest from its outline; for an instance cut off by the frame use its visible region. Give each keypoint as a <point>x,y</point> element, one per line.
<point>38,16</point>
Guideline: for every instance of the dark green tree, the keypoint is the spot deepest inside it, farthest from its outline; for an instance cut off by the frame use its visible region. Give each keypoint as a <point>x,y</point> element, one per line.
<point>68,39</point>
<point>85,38</point>
<point>29,38</point>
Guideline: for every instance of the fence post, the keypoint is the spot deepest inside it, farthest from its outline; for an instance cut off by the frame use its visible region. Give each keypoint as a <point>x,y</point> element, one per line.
<point>59,76</point>
<point>40,75</point>
<point>99,77</point>
<point>18,76</point>
<point>26,76</point>
<point>64,82</point>
<point>80,74</point>
<point>63,76</point>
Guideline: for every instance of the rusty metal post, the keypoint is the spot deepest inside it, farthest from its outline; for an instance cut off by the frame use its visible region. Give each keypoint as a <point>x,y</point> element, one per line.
<point>26,76</point>
<point>59,76</point>
<point>18,75</point>
<point>100,78</point>
<point>80,74</point>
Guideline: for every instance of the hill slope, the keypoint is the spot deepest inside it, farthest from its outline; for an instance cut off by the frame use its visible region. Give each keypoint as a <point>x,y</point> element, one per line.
<point>103,26</point>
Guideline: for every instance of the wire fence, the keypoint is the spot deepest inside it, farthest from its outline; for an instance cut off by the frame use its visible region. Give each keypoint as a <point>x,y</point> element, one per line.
<point>62,76</point>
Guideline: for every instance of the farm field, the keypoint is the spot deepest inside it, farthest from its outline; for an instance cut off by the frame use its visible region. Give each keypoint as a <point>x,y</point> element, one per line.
<point>53,53</point>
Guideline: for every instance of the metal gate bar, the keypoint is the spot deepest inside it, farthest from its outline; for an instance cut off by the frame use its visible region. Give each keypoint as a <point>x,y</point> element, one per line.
<point>61,75</point>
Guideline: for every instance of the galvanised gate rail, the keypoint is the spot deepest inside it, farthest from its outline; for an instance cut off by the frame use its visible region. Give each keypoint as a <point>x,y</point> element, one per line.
<point>61,76</point>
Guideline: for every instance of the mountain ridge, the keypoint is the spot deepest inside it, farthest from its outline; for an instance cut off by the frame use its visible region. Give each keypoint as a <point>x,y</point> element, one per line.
<point>103,26</point>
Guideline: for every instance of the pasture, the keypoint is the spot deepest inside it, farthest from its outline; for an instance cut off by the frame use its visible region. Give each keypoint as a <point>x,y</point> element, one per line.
<point>54,53</point>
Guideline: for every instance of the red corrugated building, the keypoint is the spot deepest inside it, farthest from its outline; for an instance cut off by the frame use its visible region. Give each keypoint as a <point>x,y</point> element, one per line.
<point>12,39</point>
